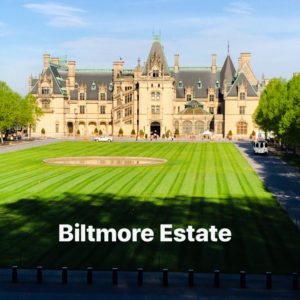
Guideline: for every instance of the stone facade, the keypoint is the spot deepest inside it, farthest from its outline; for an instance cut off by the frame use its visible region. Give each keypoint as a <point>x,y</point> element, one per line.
<point>153,98</point>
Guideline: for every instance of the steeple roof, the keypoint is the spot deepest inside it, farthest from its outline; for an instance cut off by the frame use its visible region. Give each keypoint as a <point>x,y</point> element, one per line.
<point>228,71</point>
<point>156,58</point>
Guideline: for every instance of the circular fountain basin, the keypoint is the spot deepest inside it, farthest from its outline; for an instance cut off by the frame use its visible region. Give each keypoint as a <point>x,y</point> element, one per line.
<point>104,161</point>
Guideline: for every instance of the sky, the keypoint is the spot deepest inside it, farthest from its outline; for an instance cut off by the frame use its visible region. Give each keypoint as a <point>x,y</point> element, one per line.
<point>96,33</point>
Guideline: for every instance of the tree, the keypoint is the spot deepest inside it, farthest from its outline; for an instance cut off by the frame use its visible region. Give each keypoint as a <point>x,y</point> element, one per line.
<point>272,106</point>
<point>289,126</point>
<point>133,132</point>
<point>29,112</point>
<point>9,108</point>
<point>120,132</point>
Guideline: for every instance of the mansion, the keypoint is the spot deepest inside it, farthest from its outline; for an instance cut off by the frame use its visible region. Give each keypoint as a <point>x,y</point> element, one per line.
<point>151,98</point>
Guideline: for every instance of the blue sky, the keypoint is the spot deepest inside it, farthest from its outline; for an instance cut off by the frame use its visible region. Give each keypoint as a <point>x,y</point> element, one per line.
<point>95,33</point>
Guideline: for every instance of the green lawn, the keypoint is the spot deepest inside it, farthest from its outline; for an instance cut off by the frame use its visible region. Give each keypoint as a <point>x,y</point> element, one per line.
<point>202,184</point>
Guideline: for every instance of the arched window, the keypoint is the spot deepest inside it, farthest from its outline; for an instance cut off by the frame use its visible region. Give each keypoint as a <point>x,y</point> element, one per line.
<point>199,127</point>
<point>180,84</point>
<point>93,86</point>
<point>199,84</point>
<point>217,84</point>
<point>187,127</point>
<point>241,127</point>
<point>219,128</point>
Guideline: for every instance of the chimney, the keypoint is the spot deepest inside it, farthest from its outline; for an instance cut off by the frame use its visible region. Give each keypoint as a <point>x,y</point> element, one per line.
<point>55,60</point>
<point>71,73</point>
<point>176,63</point>
<point>214,63</point>
<point>118,68</point>
<point>245,58</point>
<point>46,60</point>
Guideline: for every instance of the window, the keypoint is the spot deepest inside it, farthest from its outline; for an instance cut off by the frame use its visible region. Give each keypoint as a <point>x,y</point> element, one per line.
<point>242,110</point>
<point>211,110</point>
<point>45,91</point>
<point>211,97</point>
<point>118,114</point>
<point>217,84</point>
<point>152,85</point>
<point>219,128</point>
<point>178,109</point>
<point>187,127</point>
<point>155,73</point>
<point>188,97</point>
<point>219,111</point>
<point>241,127</point>
<point>82,109</point>
<point>102,109</point>
<point>128,98</point>
<point>111,87</point>
<point>155,96</point>
<point>102,96</point>
<point>242,96</point>
<point>176,125</point>
<point>93,86</point>
<point>127,88</point>
<point>76,85</point>
<point>180,84</point>
<point>199,84</point>
<point>199,127</point>
<point>46,104</point>
<point>155,109</point>
<point>81,96</point>
<point>152,96</point>
<point>56,127</point>
<point>158,85</point>
<point>128,111</point>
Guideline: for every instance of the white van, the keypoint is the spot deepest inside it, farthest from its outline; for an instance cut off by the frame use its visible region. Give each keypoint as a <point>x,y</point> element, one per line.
<point>260,147</point>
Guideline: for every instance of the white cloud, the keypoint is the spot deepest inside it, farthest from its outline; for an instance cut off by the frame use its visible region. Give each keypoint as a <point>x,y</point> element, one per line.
<point>239,8</point>
<point>59,15</point>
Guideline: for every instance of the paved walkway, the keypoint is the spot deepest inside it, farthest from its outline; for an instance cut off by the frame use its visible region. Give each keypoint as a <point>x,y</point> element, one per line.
<point>15,146</point>
<point>280,178</point>
<point>127,288</point>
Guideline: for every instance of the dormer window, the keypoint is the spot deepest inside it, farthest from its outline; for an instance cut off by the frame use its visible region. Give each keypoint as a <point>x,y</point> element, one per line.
<point>111,87</point>
<point>155,73</point>
<point>81,96</point>
<point>180,84</point>
<point>242,96</point>
<point>76,85</point>
<point>217,84</point>
<point>199,84</point>
<point>188,97</point>
<point>102,96</point>
<point>45,91</point>
<point>93,86</point>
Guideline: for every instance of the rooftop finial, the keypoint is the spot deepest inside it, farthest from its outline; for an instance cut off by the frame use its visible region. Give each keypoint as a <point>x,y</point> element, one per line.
<point>228,48</point>
<point>156,37</point>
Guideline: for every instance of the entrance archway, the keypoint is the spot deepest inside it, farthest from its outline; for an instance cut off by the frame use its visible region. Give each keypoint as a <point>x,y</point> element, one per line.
<point>155,128</point>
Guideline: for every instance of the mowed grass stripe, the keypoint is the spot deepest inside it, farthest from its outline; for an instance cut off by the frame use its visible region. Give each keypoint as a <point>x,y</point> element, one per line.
<point>142,196</point>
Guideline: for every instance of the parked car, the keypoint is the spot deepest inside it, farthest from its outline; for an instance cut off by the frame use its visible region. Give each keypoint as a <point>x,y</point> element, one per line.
<point>103,139</point>
<point>260,147</point>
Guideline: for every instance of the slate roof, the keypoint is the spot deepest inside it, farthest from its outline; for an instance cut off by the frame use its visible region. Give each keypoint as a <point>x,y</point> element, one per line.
<point>88,78</point>
<point>228,71</point>
<point>191,78</point>
<point>193,108</point>
<point>252,91</point>
<point>59,83</point>
<point>157,50</point>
